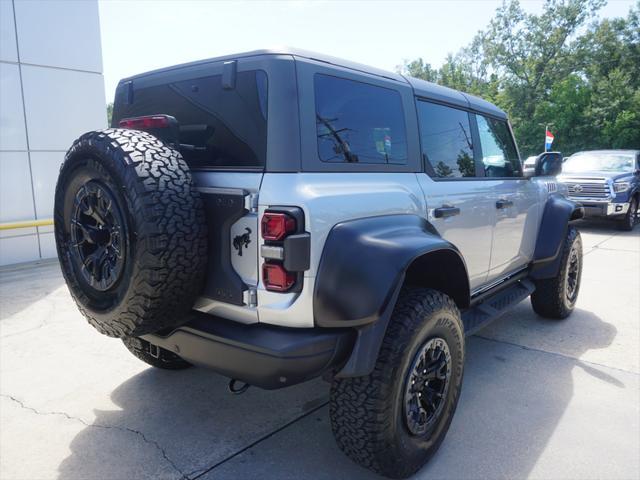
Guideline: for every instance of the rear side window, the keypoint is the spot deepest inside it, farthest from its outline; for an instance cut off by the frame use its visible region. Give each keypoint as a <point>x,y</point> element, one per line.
<point>446,140</point>
<point>359,123</point>
<point>499,154</point>
<point>219,127</point>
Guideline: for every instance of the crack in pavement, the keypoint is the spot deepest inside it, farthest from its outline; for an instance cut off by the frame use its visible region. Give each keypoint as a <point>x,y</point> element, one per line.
<point>97,425</point>
<point>597,245</point>
<point>194,474</point>
<point>203,471</point>
<point>557,354</point>
<point>615,249</point>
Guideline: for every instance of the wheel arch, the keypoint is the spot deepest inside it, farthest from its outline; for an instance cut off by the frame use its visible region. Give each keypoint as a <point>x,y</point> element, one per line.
<point>365,261</point>
<point>364,265</point>
<point>443,270</point>
<point>558,212</point>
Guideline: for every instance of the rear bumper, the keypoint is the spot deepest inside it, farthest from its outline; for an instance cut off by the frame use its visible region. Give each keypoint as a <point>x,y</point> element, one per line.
<point>262,355</point>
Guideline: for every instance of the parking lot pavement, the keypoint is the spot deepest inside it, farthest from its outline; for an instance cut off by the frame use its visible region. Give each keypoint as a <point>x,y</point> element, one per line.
<point>541,399</point>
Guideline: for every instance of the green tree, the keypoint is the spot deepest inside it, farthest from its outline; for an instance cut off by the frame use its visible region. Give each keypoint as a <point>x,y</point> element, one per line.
<point>109,113</point>
<point>554,68</point>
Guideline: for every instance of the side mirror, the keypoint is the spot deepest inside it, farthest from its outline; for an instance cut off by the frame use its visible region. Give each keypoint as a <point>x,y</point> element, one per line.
<point>548,164</point>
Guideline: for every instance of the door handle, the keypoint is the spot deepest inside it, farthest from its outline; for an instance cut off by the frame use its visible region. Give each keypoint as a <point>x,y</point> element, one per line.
<point>502,203</point>
<point>444,212</point>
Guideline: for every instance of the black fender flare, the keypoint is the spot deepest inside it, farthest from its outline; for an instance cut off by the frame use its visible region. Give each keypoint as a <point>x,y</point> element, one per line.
<point>361,272</point>
<point>558,212</point>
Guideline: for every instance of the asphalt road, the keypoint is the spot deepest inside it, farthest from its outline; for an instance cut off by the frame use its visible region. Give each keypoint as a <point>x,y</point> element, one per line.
<point>541,399</point>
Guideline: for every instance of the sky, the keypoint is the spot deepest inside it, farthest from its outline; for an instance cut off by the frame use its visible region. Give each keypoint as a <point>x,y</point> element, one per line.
<point>141,35</point>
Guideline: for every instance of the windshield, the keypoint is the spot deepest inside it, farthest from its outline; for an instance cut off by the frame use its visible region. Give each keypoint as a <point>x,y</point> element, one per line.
<point>605,162</point>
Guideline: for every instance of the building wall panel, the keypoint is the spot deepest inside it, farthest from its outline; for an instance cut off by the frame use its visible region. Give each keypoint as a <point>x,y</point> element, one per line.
<point>12,134</point>
<point>63,34</point>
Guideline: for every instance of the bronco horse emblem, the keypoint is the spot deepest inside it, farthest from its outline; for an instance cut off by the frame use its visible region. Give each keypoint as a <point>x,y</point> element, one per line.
<point>242,241</point>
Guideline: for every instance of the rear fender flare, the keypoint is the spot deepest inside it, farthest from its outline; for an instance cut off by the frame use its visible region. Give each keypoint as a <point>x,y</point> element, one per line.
<point>361,272</point>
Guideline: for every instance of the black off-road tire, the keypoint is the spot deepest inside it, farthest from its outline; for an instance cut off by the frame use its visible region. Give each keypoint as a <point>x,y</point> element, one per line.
<point>155,356</point>
<point>553,298</point>
<point>157,238</point>
<point>368,413</point>
<point>631,218</point>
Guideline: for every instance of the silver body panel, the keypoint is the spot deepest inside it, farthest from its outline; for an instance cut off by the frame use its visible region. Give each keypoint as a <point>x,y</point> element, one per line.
<point>515,227</point>
<point>328,199</point>
<point>493,242</point>
<point>471,231</point>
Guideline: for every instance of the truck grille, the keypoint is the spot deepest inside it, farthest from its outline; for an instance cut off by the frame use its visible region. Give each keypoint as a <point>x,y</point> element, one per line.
<point>588,189</point>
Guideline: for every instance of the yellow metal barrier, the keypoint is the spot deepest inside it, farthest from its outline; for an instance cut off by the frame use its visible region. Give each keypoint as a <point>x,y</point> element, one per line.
<point>26,224</point>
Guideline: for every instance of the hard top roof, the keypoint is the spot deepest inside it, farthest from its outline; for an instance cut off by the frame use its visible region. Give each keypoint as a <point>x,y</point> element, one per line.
<point>422,88</point>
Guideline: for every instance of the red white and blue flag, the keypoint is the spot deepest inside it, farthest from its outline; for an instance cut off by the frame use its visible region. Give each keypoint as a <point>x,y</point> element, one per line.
<point>548,140</point>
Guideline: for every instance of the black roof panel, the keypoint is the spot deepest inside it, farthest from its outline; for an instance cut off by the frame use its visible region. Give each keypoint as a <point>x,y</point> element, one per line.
<point>422,88</point>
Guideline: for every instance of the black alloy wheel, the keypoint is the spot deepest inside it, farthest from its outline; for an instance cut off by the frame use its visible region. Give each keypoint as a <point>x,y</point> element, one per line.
<point>98,236</point>
<point>573,275</point>
<point>427,385</point>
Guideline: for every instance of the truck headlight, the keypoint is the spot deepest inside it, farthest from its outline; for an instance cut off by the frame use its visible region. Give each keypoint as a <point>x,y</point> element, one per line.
<point>621,186</point>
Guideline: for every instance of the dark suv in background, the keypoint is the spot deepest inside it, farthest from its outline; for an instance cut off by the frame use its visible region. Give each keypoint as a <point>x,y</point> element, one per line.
<point>606,183</point>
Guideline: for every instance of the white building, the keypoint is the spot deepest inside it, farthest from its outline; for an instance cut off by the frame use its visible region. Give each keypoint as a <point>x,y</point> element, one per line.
<point>51,91</point>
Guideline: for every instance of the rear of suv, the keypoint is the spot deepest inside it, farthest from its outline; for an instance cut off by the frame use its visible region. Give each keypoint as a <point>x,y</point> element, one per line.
<point>277,216</point>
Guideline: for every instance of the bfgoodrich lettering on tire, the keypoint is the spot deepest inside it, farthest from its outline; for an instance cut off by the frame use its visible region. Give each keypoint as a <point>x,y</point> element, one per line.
<point>393,420</point>
<point>130,232</point>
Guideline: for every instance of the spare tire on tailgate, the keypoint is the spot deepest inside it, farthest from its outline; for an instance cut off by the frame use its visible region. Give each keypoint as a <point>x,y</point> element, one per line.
<point>130,232</point>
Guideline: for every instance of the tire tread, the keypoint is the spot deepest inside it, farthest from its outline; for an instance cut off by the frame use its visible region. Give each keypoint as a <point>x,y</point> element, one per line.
<point>170,243</point>
<point>359,407</point>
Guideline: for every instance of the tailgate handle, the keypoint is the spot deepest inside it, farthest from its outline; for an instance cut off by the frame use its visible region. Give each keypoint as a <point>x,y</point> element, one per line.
<point>444,212</point>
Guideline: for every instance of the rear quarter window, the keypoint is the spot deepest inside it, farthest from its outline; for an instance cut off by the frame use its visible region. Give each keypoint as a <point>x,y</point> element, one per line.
<point>358,122</point>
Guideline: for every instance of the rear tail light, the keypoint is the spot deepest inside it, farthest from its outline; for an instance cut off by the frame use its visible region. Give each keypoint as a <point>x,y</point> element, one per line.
<point>276,226</point>
<point>145,123</point>
<point>276,278</point>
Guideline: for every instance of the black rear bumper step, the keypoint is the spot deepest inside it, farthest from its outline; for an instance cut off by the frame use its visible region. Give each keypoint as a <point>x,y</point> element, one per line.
<point>496,305</point>
<point>263,355</point>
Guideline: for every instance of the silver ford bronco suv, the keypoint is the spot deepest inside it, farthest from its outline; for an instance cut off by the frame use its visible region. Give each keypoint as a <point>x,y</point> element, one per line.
<point>278,216</point>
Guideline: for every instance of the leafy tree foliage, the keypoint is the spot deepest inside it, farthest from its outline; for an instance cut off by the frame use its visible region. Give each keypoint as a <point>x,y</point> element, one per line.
<point>109,113</point>
<point>560,68</point>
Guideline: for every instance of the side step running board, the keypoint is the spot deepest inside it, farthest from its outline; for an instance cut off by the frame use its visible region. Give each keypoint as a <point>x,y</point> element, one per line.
<point>495,305</point>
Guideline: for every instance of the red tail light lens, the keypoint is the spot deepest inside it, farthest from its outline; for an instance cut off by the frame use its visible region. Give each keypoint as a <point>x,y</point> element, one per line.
<point>276,278</point>
<point>276,226</point>
<point>145,123</point>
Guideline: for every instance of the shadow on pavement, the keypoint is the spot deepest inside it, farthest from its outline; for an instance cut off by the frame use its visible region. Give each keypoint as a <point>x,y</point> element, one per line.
<point>605,226</point>
<point>41,279</point>
<point>178,423</point>
<point>512,401</point>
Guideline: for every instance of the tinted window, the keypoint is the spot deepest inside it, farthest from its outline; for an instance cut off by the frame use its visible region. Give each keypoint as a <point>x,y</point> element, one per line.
<point>359,123</point>
<point>224,127</point>
<point>499,154</point>
<point>446,140</point>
